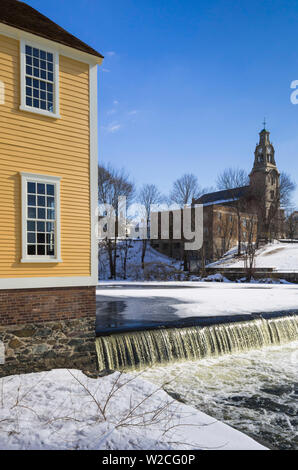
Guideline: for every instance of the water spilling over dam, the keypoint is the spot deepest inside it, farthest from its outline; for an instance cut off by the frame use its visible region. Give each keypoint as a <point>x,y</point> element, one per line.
<point>139,349</point>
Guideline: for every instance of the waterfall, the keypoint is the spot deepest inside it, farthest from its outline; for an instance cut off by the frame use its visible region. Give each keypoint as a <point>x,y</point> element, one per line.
<point>150,347</point>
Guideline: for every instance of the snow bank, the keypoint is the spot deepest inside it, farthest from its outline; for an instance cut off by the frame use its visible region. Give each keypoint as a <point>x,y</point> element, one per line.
<point>65,409</point>
<point>277,255</point>
<point>215,278</point>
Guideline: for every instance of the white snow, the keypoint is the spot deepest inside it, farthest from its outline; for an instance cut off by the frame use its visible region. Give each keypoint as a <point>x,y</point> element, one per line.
<point>278,255</point>
<point>157,265</point>
<point>60,409</point>
<point>219,201</point>
<point>207,299</point>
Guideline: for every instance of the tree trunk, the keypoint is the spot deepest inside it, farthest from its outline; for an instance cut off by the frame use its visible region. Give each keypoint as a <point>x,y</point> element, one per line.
<point>203,262</point>
<point>115,260</point>
<point>110,253</point>
<point>144,248</point>
<point>185,261</point>
<point>239,232</point>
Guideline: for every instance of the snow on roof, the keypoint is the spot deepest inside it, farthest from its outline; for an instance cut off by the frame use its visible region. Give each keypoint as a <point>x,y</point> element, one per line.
<point>224,196</point>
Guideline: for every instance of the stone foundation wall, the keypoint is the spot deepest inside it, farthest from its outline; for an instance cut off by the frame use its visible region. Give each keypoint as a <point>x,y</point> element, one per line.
<point>38,346</point>
<point>48,328</point>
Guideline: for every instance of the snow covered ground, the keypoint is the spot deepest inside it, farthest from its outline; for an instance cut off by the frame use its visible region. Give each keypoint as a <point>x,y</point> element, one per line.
<point>157,265</point>
<point>203,299</point>
<point>64,409</point>
<point>277,255</point>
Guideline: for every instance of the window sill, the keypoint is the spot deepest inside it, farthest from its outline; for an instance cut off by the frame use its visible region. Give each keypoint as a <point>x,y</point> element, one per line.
<point>39,111</point>
<point>41,260</point>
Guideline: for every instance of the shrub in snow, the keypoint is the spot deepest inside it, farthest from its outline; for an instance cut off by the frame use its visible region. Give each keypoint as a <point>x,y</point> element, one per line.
<point>162,272</point>
<point>269,280</point>
<point>218,277</point>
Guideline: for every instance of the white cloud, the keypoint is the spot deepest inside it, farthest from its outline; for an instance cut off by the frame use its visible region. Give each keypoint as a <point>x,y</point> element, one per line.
<point>115,102</point>
<point>133,112</point>
<point>112,127</point>
<point>106,70</point>
<point>110,53</point>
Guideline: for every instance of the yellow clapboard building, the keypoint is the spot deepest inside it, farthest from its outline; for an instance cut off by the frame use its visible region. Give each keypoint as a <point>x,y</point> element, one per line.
<point>48,169</point>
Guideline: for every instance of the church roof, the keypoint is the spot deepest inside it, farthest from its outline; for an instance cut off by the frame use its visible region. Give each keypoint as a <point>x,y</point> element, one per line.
<point>222,197</point>
<point>22,16</point>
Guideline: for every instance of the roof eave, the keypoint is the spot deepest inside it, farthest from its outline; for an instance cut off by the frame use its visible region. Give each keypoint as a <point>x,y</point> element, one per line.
<point>20,33</point>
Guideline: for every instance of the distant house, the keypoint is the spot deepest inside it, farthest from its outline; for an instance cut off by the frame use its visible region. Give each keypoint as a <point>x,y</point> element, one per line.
<point>48,169</point>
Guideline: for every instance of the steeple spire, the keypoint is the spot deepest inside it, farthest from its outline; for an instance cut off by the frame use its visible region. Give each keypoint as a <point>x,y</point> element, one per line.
<point>264,152</point>
<point>264,123</point>
<point>264,181</point>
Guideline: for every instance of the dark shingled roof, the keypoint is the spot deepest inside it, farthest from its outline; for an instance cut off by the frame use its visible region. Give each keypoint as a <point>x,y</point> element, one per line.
<point>220,197</point>
<point>22,16</point>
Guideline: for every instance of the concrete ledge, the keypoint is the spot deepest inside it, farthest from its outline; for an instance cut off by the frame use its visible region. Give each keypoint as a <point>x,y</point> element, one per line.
<point>259,273</point>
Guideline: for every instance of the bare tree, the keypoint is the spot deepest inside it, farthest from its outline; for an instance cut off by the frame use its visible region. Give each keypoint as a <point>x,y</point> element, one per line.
<point>232,178</point>
<point>291,224</point>
<point>270,215</point>
<point>125,247</point>
<point>228,180</point>
<point>148,196</point>
<point>282,199</point>
<point>226,226</point>
<point>250,250</point>
<point>185,189</point>
<point>286,188</point>
<point>112,184</point>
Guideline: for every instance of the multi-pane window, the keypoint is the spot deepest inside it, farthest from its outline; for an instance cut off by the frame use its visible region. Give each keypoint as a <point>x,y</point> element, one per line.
<point>40,217</point>
<point>39,77</point>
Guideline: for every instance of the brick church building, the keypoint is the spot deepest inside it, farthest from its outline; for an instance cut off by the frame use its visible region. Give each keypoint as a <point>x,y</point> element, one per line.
<point>240,214</point>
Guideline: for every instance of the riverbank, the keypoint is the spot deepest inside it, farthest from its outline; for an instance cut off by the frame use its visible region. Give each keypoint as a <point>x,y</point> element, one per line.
<point>64,409</point>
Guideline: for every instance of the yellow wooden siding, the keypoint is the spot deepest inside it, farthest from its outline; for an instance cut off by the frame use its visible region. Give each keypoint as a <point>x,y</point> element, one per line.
<point>38,144</point>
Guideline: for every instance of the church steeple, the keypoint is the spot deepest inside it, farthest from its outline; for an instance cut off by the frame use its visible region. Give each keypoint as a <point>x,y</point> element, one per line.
<point>264,181</point>
<point>264,152</point>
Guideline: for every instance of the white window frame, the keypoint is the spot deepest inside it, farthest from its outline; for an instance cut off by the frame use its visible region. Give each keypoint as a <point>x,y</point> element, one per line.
<point>23,107</point>
<point>55,180</point>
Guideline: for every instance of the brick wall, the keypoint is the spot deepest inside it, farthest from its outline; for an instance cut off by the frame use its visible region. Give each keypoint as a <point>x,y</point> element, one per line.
<point>19,306</point>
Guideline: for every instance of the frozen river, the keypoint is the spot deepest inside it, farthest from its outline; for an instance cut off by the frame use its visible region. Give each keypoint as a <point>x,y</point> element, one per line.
<point>123,306</point>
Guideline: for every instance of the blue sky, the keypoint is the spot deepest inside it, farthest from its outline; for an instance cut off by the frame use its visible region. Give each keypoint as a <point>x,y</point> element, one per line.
<point>185,85</point>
